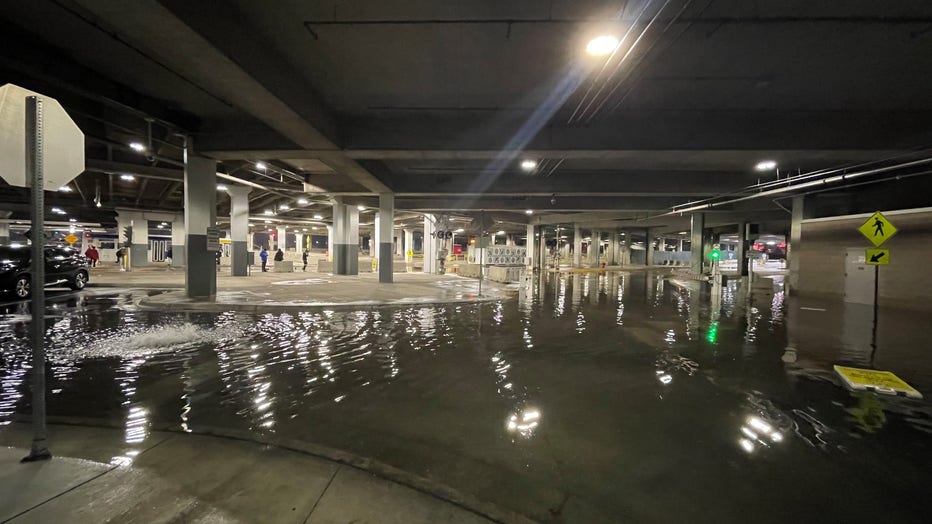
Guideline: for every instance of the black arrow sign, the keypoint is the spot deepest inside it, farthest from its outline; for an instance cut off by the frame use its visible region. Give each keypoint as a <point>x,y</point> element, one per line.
<point>877,256</point>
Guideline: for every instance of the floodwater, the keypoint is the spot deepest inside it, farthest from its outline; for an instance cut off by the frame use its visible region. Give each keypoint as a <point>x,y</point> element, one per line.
<point>588,398</point>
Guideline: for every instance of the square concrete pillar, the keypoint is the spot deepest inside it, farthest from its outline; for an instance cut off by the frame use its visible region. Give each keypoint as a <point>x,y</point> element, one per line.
<point>200,213</point>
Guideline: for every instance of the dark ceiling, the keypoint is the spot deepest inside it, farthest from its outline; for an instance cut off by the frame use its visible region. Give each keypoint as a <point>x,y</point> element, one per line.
<point>438,101</point>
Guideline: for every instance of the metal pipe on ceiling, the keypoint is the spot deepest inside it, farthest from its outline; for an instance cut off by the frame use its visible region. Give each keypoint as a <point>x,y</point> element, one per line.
<point>803,185</point>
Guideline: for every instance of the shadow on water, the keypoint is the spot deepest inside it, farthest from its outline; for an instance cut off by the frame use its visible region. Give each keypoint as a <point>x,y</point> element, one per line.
<point>589,398</point>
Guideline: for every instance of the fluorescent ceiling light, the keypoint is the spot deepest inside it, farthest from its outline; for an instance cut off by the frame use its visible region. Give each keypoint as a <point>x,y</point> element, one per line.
<point>602,45</point>
<point>529,212</point>
<point>269,212</point>
<point>318,217</point>
<point>284,207</point>
<point>221,187</point>
<point>361,208</point>
<point>137,146</point>
<point>302,201</point>
<point>765,165</point>
<point>260,165</point>
<point>128,178</point>
<point>65,189</point>
<point>528,165</point>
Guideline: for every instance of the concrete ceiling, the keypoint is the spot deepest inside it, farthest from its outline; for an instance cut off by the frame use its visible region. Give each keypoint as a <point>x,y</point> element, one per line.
<point>438,101</point>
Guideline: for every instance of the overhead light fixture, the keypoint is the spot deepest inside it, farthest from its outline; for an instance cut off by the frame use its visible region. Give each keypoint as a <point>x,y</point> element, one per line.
<point>137,146</point>
<point>284,207</point>
<point>98,203</point>
<point>528,165</point>
<point>128,178</point>
<point>318,217</point>
<point>72,220</point>
<point>313,228</point>
<point>302,201</point>
<point>529,212</point>
<point>160,226</point>
<point>765,165</point>
<point>268,221</point>
<point>260,165</point>
<point>303,229</point>
<point>460,230</point>
<point>221,187</point>
<point>361,208</point>
<point>65,189</point>
<point>602,45</point>
<point>500,233</point>
<point>58,211</point>
<point>269,212</point>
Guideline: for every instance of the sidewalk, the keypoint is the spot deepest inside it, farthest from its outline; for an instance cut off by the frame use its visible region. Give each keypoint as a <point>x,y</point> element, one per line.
<point>286,292</point>
<point>97,475</point>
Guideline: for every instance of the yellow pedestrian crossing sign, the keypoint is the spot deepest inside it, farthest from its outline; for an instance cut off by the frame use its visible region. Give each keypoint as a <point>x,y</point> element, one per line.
<point>877,229</point>
<point>877,257</point>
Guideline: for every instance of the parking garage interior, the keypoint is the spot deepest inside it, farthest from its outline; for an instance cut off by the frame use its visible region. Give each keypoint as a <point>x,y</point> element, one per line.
<point>443,261</point>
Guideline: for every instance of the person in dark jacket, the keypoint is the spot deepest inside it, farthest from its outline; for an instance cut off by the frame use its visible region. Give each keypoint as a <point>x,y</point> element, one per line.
<point>304,259</point>
<point>264,256</point>
<point>279,255</point>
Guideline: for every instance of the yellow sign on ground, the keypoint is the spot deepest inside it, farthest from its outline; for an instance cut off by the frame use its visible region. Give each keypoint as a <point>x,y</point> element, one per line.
<point>873,380</point>
<point>877,229</point>
<point>877,257</point>
<point>71,239</point>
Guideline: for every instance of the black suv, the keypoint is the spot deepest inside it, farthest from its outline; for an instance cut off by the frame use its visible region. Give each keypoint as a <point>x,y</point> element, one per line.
<point>63,266</point>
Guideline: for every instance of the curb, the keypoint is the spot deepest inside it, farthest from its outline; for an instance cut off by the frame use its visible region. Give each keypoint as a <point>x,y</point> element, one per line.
<point>380,469</point>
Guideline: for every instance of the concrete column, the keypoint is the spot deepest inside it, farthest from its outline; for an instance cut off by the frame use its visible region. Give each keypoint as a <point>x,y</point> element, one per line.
<point>543,248</point>
<point>200,213</point>
<point>509,240</point>
<point>742,249</point>
<point>529,247</point>
<point>5,228</point>
<point>430,245</point>
<point>577,246</point>
<point>649,246</point>
<point>795,240</point>
<point>250,242</point>
<point>385,220</point>
<point>376,236</point>
<point>179,239</point>
<point>345,238</point>
<point>399,242</point>
<point>595,241</point>
<point>239,229</point>
<point>611,249</point>
<point>407,246</point>
<point>281,239</point>
<point>697,224</point>
<point>330,243</point>
<point>139,250</point>
<point>299,242</point>
<point>680,248</point>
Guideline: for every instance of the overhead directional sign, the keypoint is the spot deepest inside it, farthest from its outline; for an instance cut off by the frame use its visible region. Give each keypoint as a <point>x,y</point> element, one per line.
<point>63,154</point>
<point>877,257</point>
<point>877,229</point>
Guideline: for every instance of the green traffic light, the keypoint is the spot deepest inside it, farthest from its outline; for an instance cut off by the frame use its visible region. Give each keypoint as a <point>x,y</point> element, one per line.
<point>715,254</point>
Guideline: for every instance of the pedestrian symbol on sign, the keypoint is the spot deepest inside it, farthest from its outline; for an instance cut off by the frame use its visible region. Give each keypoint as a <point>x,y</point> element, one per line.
<point>877,229</point>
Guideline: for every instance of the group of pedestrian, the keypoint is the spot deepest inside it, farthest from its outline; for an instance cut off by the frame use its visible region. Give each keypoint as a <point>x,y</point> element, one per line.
<point>279,257</point>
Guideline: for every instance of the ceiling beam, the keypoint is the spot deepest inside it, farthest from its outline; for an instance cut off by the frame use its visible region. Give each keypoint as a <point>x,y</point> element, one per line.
<point>151,26</point>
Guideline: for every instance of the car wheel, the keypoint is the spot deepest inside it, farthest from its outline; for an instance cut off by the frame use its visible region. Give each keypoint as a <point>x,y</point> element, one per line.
<point>79,281</point>
<point>21,287</point>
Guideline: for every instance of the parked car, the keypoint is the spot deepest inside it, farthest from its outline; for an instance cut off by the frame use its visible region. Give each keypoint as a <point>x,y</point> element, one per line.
<point>63,266</point>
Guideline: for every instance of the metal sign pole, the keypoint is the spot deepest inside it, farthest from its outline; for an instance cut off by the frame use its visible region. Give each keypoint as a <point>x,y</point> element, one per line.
<point>35,175</point>
<point>874,332</point>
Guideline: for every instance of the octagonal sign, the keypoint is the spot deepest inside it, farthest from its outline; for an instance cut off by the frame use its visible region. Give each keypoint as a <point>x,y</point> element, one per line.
<point>63,141</point>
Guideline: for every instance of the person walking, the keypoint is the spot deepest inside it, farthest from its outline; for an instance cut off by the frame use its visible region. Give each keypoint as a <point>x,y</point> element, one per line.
<point>264,256</point>
<point>304,259</point>
<point>119,255</point>
<point>92,254</point>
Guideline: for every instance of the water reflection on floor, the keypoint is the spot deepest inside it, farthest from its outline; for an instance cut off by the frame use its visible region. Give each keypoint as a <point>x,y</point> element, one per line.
<point>588,398</point>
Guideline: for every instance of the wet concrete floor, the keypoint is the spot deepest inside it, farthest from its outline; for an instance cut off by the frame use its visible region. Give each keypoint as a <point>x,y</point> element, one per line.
<point>589,398</point>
